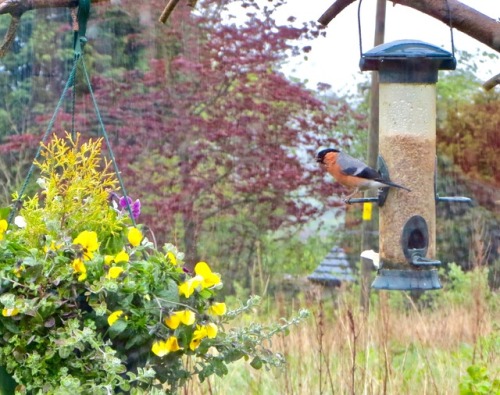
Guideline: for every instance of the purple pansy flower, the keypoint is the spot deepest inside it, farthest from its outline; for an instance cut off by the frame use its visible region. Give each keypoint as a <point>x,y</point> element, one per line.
<point>135,207</point>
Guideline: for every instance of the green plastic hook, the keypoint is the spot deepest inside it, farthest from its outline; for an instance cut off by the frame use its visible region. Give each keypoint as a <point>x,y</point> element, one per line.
<point>83,16</point>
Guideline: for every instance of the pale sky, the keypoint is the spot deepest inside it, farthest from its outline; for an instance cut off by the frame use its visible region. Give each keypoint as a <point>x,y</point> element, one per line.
<point>334,59</point>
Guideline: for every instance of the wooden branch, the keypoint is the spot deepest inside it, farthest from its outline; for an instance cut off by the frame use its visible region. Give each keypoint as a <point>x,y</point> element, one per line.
<point>168,10</point>
<point>10,35</point>
<point>336,8</point>
<point>16,8</point>
<point>492,82</point>
<point>463,18</point>
<point>20,6</point>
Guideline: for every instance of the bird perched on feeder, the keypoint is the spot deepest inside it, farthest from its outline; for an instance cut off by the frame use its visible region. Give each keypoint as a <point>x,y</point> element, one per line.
<point>351,172</point>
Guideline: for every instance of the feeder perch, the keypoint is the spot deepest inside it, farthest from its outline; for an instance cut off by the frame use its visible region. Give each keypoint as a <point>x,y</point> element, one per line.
<point>382,192</point>
<point>408,72</point>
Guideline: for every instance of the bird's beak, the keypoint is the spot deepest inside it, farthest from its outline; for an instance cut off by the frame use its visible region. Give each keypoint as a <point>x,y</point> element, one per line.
<point>319,160</point>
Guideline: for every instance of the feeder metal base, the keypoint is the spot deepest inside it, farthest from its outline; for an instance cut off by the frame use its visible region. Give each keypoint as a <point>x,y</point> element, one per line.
<point>407,280</point>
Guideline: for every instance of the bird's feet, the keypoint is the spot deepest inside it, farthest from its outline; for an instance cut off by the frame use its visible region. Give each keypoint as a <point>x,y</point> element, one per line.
<point>347,199</point>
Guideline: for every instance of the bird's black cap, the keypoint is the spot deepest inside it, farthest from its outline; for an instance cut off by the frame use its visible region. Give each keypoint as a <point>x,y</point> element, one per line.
<point>321,154</point>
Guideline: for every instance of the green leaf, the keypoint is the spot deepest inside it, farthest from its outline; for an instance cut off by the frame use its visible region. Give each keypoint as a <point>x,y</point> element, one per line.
<point>256,363</point>
<point>220,367</point>
<point>8,300</point>
<point>11,326</point>
<point>233,355</point>
<point>169,294</point>
<point>117,328</point>
<point>4,212</point>
<point>65,352</point>
<point>205,294</point>
<point>135,341</point>
<point>112,244</point>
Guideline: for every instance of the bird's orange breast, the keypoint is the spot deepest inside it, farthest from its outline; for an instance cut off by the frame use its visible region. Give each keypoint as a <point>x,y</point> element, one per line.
<point>331,165</point>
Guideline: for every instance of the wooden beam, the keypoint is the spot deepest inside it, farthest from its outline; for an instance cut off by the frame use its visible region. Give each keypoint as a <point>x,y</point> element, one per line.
<point>462,17</point>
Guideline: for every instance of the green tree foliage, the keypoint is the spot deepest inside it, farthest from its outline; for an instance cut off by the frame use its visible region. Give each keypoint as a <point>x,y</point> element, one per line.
<point>467,145</point>
<point>470,137</point>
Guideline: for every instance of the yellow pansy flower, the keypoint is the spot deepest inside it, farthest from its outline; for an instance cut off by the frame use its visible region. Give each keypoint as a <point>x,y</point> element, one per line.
<point>79,268</point>
<point>114,272</point>
<point>122,256</point>
<point>10,312</point>
<point>211,330</point>
<point>18,270</point>
<point>187,317</point>
<point>209,279</point>
<point>3,227</point>
<point>109,259</point>
<point>164,347</point>
<point>52,247</point>
<point>202,331</point>
<point>134,237</point>
<point>187,288</point>
<point>88,241</point>
<point>171,258</point>
<point>198,335</point>
<point>217,309</point>
<point>113,317</point>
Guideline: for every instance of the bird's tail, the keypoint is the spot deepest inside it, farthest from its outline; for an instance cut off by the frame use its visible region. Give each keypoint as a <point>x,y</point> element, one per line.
<point>392,184</point>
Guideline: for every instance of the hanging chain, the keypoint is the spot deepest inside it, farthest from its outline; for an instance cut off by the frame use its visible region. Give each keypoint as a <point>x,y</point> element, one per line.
<point>359,30</point>
<point>450,24</point>
<point>451,29</point>
<point>78,44</point>
<point>108,144</point>
<point>17,203</point>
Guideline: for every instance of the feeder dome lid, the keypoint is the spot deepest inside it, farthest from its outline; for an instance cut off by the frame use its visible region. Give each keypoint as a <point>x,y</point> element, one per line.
<point>407,61</point>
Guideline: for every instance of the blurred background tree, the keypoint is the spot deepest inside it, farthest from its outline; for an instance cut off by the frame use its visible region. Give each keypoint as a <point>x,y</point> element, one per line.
<point>214,140</point>
<point>468,142</point>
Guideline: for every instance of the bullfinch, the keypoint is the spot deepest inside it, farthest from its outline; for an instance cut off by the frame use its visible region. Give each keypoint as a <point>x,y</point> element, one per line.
<point>351,172</point>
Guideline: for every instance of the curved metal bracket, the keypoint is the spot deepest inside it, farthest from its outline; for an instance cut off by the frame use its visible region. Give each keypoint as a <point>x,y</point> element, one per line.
<point>384,172</point>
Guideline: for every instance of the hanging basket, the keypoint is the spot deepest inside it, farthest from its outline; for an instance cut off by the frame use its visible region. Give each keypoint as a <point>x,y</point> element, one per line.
<point>90,305</point>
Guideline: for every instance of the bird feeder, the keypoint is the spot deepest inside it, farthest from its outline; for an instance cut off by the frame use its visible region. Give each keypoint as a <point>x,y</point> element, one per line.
<point>408,72</point>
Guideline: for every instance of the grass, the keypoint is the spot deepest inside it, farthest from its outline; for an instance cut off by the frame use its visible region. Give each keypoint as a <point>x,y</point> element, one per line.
<point>402,346</point>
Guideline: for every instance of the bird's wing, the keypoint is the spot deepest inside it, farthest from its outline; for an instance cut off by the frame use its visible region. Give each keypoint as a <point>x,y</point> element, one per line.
<point>354,167</point>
